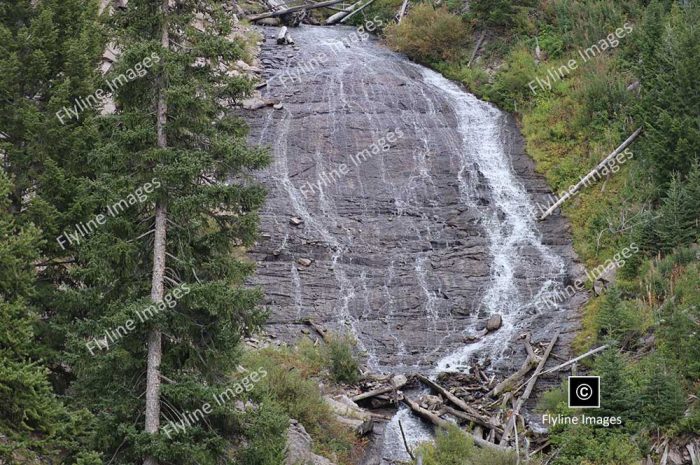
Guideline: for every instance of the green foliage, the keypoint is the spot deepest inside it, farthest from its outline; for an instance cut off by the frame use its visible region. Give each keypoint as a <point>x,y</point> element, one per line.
<point>344,365</point>
<point>676,225</point>
<point>618,320</point>
<point>453,447</point>
<point>48,56</point>
<point>207,223</point>
<point>429,34</point>
<point>586,445</point>
<point>679,338</point>
<point>662,399</point>
<point>380,12</point>
<point>554,400</point>
<point>493,12</point>
<point>265,429</point>
<point>603,95</point>
<point>618,391</point>
<point>550,42</point>
<point>669,106</point>
<point>475,79</point>
<point>291,384</point>
<point>510,87</point>
<point>33,422</point>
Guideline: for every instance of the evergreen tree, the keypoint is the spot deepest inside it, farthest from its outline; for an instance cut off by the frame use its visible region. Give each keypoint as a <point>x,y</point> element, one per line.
<point>614,319</point>
<point>618,397</point>
<point>662,399</point>
<point>675,226</point>
<point>49,53</point>
<point>33,422</point>
<point>162,274</point>
<point>48,57</point>
<point>692,190</point>
<point>669,106</point>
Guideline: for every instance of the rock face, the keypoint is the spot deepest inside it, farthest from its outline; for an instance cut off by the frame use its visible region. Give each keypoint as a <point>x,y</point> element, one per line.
<point>298,450</point>
<point>417,208</point>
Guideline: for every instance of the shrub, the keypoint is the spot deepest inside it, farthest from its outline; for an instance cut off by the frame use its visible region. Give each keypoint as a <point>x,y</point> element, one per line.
<point>586,445</point>
<point>662,399</point>
<point>344,366</point>
<point>510,87</point>
<point>265,431</point>
<point>493,12</point>
<point>618,319</point>
<point>381,12</point>
<point>452,447</point>
<point>429,35</point>
<point>290,387</point>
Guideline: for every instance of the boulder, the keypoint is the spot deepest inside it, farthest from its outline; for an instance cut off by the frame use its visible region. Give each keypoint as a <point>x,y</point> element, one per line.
<point>295,221</point>
<point>399,381</point>
<point>298,448</point>
<point>350,414</point>
<point>255,103</point>
<point>494,322</point>
<point>304,261</point>
<point>269,22</point>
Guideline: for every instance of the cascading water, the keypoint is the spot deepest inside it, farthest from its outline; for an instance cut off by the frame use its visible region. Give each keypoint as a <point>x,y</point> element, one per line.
<point>414,244</point>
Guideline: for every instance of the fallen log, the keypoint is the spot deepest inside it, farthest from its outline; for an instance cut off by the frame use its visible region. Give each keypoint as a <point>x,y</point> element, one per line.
<point>307,6</point>
<point>334,18</point>
<point>280,35</point>
<point>446,394</point>
<point>400,382</point>
<point>402,11</point>
<point>405,443</point>
<point>574,360</point>
<point>437,421</point>
<point>514,380</point>
<point>476,48</point>
<point>587,177</point>
<point>528,390</point>
<point>356,11</point>
<point>475,419</point>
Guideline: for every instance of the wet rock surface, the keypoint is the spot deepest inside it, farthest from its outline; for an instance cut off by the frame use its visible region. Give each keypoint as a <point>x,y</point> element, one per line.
<point>400,209</point>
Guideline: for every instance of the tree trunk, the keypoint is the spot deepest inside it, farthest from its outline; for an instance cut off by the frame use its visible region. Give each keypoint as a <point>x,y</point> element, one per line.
<point>308,6</point>
<point>356,11</point>
<point>595,171</point>
<point>155,351</point>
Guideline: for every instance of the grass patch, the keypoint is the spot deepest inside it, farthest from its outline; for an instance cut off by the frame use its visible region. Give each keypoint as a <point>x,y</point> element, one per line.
<point>291,390</point>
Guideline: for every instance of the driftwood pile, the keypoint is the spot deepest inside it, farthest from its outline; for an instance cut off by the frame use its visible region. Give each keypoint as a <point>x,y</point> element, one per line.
<point>487,409</point>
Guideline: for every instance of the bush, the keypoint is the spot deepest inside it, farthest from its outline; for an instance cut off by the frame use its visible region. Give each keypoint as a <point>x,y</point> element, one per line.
<point>493,12</point>
<point>510,87</point>
<point>265,431</point>
<point>381,12</point>
<point>452,447</point>
<point>344,366</point>
<point>290,386</point>
<point>586,445</point>
<point>618,319</point>
<point>428,35</point>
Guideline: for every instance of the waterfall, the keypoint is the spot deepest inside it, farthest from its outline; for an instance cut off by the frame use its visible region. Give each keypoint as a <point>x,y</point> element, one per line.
<point>419,239</point>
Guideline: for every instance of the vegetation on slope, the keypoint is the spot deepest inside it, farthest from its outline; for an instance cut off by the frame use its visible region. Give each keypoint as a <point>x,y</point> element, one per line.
<point>571,117</point>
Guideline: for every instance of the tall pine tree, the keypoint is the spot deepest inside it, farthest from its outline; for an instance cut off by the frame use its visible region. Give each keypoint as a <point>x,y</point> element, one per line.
<point>670,92</point>
<point>174,154</point>
<point>48,56</point>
